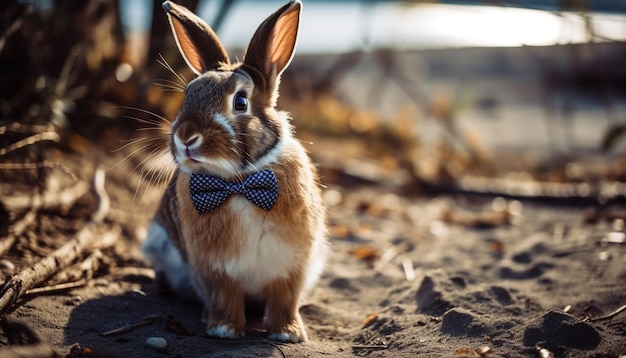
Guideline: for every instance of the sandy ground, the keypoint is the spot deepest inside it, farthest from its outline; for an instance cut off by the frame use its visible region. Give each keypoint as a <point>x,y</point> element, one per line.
<point>436,276</point>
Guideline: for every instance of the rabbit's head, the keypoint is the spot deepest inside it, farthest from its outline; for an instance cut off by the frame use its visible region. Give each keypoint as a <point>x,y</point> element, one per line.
<point>228,125</point>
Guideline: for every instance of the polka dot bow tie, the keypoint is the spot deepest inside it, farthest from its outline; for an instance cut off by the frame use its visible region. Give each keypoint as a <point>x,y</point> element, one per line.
<point>209,192</point>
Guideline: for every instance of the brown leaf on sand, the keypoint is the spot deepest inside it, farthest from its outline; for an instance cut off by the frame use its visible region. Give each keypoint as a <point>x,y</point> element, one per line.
<point>496,247</point>
<point>464,352</point>
<point>367,321</point>
<point>78,143</point>
<point>364,253</point>
<point>478,352</point>
<point>337,231</point>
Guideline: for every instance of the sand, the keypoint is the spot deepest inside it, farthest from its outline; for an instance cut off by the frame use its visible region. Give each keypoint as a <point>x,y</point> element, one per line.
<point>543,279</point>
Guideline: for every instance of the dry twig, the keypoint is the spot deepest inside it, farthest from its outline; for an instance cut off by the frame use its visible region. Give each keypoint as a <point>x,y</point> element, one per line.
<point>610,315</point>
<point>85,239</point>
<point>56,288</point>
<point>50,199</point>
<point>61,258</point>
<point>409,271</point>
<point>130,327</point>
<point>16,230</point>
<point>35,138</point>
<point>15,25</point>
<point>87,269</point>
<point>17,127</point>
<point>386,258</point>
<point>38,165</point>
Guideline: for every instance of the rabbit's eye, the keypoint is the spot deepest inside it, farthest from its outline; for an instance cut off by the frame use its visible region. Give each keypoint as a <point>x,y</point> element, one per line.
<point>240,103</point>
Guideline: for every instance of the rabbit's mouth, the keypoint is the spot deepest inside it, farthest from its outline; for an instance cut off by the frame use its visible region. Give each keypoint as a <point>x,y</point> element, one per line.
<point>189,155</point>
<point>186,151</point>
<point>190,161</point>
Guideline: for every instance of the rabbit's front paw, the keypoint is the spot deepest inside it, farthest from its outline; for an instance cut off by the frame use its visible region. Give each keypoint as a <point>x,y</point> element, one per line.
<point>224,331</point>
<point>292,333</point>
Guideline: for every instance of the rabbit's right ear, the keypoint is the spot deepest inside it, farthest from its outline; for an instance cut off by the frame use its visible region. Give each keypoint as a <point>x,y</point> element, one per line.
<point>197,42</point>
<point>273,44</point>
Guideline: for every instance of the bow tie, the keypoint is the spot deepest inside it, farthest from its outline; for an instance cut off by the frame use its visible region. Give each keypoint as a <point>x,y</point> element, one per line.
<point>209,192</point>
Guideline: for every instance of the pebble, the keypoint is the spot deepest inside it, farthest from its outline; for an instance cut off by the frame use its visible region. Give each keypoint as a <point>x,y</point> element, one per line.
<point>156,343</point>
<point>73,301</point>
<point>604,256</point>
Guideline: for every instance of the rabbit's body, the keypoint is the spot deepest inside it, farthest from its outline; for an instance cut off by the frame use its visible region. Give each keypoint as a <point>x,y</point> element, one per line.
<point>238,251</point>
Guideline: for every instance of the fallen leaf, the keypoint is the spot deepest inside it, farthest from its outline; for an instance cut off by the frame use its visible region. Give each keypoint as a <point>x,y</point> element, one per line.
<point>464,352</point>
<point>365,253</point>
<point>496,247</point>
<point>78,143</point>
<point>339,231</point>
<point>480,220</point>
<point>367,321</point>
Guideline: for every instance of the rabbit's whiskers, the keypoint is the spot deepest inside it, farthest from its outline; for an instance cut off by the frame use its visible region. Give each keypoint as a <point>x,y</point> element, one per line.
<point>169,85</point>
<point>157,166</point>
<point>163,120</point>
<point>167,66</point>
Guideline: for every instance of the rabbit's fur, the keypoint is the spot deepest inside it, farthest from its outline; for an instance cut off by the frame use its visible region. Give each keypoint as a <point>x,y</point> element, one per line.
<point>238,256</point>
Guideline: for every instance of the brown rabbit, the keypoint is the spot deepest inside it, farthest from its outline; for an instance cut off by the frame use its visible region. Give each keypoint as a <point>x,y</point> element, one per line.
<point>241,224</point>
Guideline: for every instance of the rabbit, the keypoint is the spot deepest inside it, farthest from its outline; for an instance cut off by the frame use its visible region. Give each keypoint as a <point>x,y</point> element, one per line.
<point>242,223</point>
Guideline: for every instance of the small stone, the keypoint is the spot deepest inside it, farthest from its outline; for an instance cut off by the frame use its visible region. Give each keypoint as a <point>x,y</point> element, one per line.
<point>157,343</point>
<point>73,301</point>
<point>604,256</point>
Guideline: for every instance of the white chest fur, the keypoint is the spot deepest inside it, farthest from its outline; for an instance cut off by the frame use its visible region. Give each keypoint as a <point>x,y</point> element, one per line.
<point>264,256</point>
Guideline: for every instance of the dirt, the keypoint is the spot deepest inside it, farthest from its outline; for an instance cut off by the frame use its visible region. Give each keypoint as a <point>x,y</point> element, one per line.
<point>409,275</point>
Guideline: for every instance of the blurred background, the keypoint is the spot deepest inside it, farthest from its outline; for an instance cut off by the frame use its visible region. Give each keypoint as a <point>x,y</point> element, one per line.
<point>426,95</point>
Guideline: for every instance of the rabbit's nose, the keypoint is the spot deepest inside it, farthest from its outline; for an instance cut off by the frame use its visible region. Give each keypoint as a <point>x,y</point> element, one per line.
<point>194,140</point>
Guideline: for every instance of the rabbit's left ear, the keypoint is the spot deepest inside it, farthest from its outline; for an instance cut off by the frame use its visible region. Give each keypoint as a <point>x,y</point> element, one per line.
<point>197,42</point>
<point>273,44</point>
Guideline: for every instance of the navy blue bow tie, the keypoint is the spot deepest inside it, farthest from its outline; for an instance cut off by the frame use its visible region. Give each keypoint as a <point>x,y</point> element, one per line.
<point>209,192</point>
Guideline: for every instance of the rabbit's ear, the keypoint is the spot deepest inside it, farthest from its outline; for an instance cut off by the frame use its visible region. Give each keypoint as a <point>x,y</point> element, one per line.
<point>273,44</point>
<point>197,42</point>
